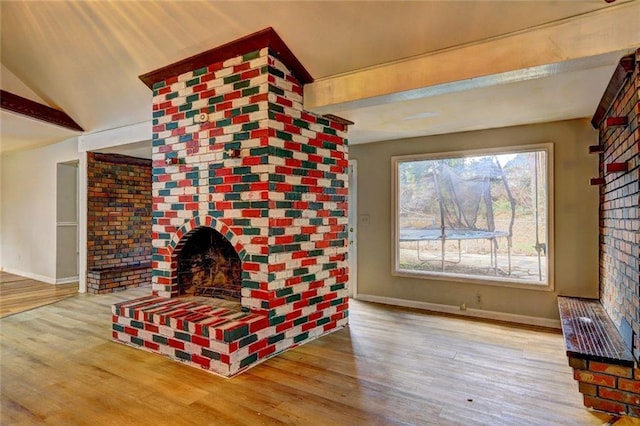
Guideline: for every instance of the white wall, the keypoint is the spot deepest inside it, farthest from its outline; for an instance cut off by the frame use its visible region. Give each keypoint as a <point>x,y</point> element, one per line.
<point>28,209</point>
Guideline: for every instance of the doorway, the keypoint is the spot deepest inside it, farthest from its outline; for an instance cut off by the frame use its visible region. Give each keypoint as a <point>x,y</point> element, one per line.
<point>67,223</point>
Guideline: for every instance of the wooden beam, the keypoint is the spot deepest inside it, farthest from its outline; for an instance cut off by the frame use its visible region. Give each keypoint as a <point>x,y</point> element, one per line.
<point>618,78</point>
<point>534,53</point>
<point>258,40</point>
<point>27,107</point>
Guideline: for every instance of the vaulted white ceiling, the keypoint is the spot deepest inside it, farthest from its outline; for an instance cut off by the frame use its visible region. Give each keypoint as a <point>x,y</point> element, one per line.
<point>376,63</point>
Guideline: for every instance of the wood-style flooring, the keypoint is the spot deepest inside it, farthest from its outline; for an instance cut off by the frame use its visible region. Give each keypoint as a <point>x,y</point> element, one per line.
<point>391,366</point>
<point>19,294</point>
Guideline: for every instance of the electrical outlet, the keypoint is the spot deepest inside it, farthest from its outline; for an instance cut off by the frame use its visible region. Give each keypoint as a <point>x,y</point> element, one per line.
<point>365,219</point>
<point>478,299</point>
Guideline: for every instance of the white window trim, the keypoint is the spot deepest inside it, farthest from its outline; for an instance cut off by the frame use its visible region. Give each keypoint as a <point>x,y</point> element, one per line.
<point>497,281</point>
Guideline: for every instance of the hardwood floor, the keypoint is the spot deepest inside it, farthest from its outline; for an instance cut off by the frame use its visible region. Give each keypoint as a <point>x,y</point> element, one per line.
<point>390,366</point>
<point>19,294</point>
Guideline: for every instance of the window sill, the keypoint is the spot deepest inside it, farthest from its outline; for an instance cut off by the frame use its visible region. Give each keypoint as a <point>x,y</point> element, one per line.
<point>499,282</point>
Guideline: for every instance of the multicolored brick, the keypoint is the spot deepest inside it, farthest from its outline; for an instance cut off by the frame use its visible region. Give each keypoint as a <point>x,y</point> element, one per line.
<point>269,177</point>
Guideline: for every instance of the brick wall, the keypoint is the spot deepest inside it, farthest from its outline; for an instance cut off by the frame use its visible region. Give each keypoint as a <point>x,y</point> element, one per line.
<point>620,214</point>
<point>272,179</point>
<point>608,387</point>
<point>118,222</point>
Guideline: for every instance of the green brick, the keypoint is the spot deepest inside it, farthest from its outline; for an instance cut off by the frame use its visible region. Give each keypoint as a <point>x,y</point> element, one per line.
<point>300,123</point>
<point>284,291</point>
<point>249,360</point>
<point>251,55</point>
<point>276,338</point>
<point>250,126</point>
<point>183,355</point>
<point>250,91</point>
<point>137,324</point>
<point>277,320</point>
<point>293,298</point>
<point>250,284</point>
<point>275,107</point>
<point>193,81</point>
<point>309,149</point>
<point>241,84</point>
<point>117,327</point>
<point>231,78</point>
<point>182,336</point>
<point>216,99</point>
<point>231,335</point>
<point>284,135</point>
<point>137,341</point>
<point>324,320</point>
<point>210,354</point>
<point>315,300</point>
<point>248,340</point>
<point>200,71</point>
<point>300,271</point>
<point>250,108</point>
<point>300,337</point>
<point>300,320</point>
<point>160,339</point>
<point>276,90</point>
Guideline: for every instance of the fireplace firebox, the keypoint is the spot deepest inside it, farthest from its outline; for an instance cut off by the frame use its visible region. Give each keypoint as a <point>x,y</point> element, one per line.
<point>208,265</point>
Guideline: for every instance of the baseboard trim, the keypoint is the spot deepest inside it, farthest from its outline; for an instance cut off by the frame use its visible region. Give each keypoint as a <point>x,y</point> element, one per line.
<point>469,312</point>
<point>68,280</point>
<point>36,277</point>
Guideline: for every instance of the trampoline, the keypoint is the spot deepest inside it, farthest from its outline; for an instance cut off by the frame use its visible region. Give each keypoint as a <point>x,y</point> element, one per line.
<point>465,199</point>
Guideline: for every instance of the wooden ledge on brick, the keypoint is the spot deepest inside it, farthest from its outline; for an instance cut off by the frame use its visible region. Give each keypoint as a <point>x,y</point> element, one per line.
<point>613,122</point>
<point>596,149</point>
<point>620,167</point>
<point>602,364</point>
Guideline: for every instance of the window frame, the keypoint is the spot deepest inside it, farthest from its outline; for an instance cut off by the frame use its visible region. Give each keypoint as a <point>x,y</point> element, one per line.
<point>461,278</point>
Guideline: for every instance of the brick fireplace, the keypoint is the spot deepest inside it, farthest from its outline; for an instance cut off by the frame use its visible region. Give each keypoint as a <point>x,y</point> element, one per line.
<point>249,212</point>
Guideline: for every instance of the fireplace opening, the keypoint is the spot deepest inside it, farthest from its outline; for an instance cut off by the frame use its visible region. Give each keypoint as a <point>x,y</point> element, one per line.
<point>208,265</point>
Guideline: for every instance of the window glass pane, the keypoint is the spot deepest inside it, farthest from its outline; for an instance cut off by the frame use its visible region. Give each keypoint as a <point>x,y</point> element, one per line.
<point>476,216</point>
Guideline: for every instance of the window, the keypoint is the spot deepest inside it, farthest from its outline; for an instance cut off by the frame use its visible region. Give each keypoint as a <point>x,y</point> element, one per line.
<point>475,216</point>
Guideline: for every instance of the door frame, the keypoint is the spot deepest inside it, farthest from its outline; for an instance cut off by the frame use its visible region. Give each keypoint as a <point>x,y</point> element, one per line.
<point>352,227</point>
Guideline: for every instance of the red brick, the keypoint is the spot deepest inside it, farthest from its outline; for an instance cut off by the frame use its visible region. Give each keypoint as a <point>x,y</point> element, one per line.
<point>266,351</point>
<point>629,385</point>
<point>594,378</point>
<point>615,370</point>
<point>259,345</point>
<point>617,395</point>
<point>176,344</point>
<point>150,327</point>
<point>604,405</point>
<point>151,345</point>
<point>588,389</point>
<point>580,364</point>
<point>202,341</point>
<point>201,360</point>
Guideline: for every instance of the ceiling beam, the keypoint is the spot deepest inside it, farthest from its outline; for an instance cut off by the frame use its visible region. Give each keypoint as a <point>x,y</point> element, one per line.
<point>27,107</point>
<point>515,57</point>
